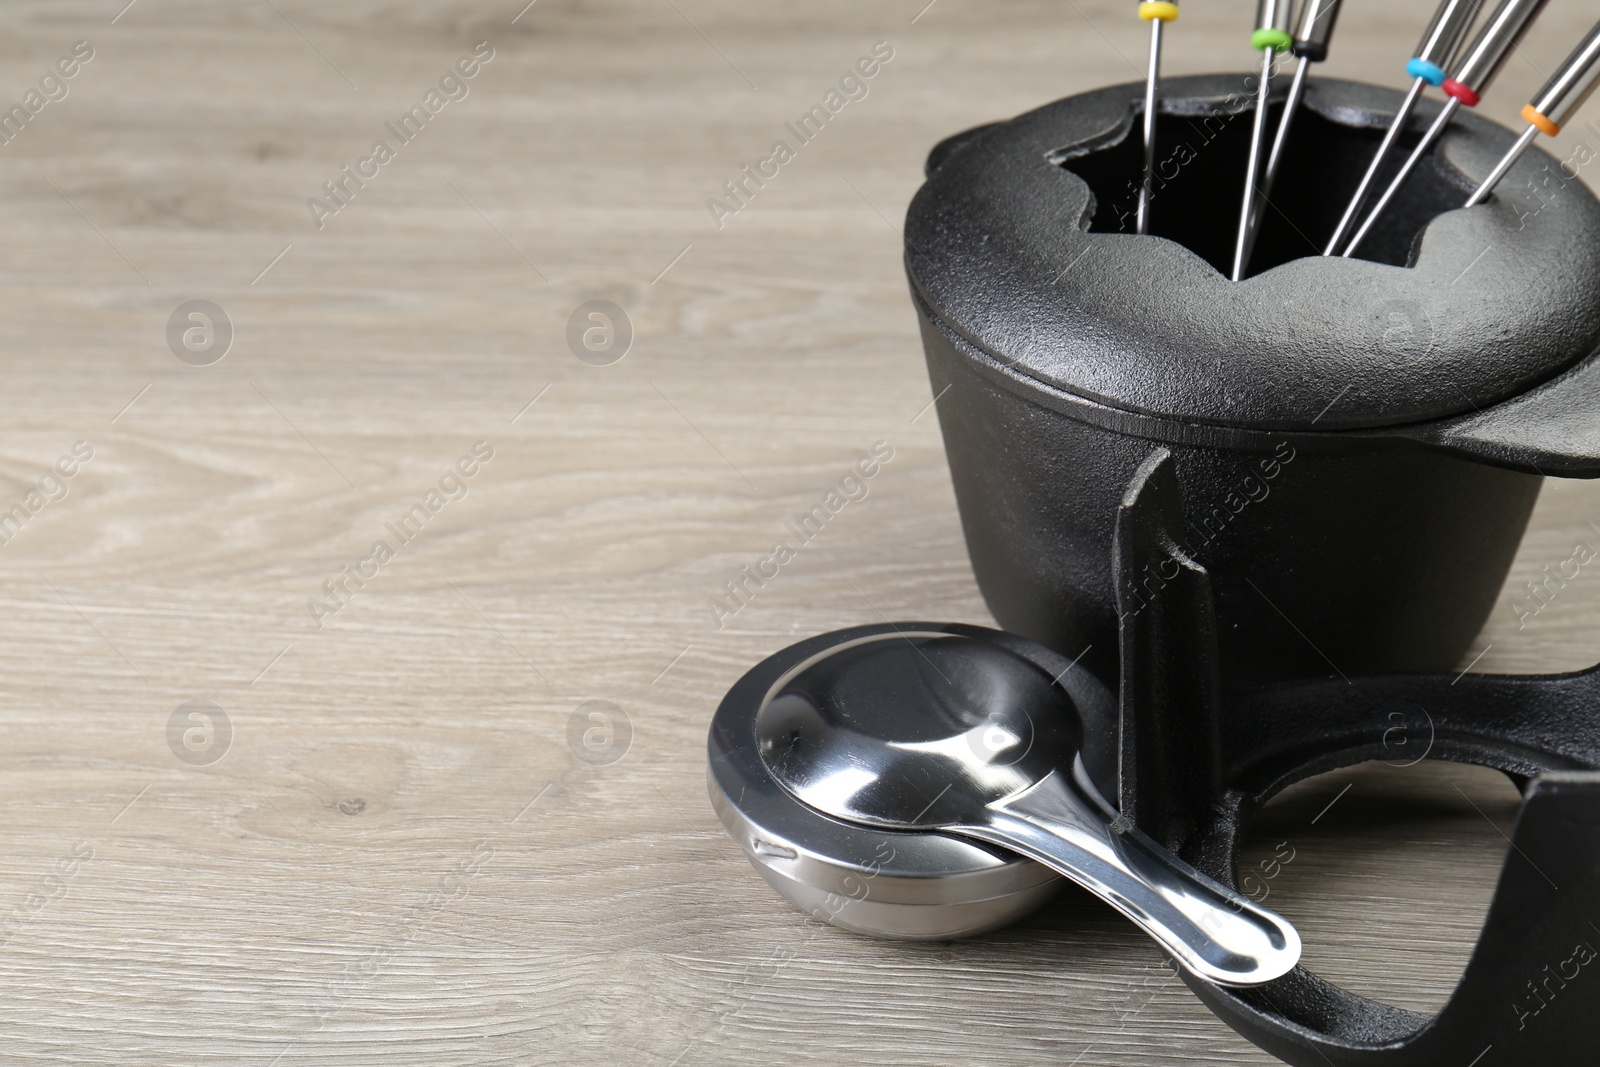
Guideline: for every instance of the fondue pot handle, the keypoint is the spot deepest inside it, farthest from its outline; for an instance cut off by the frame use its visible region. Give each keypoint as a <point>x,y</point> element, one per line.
<point>954,143</point>
<point>1552,430</point>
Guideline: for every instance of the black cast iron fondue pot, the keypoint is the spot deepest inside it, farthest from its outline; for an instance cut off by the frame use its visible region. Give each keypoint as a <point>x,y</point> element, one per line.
<point>1360,441</point>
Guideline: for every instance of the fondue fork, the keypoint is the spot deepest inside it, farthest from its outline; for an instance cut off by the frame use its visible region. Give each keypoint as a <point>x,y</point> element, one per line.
<point>1427,67</point>
<point>1271,37</point>
<point>1483,61</point>
<point>1317,18</point>
<point>1573,83</point>
<point>1155,12</point>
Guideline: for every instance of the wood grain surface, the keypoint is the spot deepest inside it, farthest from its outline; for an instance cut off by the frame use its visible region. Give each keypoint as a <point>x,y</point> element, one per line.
<point>395,846</point>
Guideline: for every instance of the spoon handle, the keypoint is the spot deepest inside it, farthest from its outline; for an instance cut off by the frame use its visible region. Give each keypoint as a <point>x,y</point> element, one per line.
<point>1214,932</point>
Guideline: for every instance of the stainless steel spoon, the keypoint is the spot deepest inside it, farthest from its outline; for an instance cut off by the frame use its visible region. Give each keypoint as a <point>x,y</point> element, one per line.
<point>926,731</point>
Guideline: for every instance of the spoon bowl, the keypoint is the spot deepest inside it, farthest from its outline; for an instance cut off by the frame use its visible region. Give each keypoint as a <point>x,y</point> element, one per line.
<point>917,732</point>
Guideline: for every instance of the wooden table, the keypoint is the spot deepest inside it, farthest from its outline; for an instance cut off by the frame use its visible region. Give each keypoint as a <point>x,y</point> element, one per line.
<point>383,837</point>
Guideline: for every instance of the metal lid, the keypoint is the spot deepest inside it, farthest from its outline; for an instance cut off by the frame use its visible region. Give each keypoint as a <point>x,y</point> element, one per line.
<point>1497,299</point>
<point>883,882</point>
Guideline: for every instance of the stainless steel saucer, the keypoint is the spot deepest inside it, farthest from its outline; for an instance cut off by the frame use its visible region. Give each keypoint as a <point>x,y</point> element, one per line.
<point>886,883</point>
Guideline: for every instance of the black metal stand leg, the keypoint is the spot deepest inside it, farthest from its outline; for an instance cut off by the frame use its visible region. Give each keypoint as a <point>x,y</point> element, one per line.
<point>1529,994</point>
<point>1196,765</point>
<point>1170,756</point>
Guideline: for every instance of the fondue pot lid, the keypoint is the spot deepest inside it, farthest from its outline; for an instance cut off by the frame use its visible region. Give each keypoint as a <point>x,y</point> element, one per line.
<point>1495,300</point>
